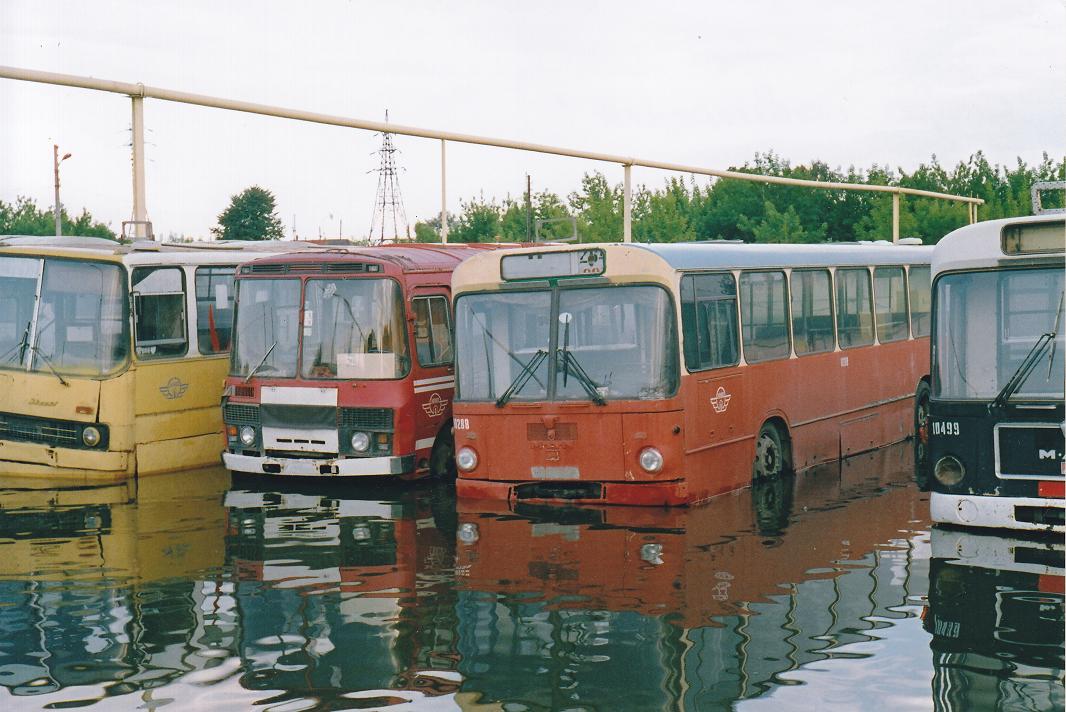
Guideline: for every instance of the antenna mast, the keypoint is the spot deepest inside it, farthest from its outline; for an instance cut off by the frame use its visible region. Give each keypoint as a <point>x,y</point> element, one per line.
<point>389,221</point>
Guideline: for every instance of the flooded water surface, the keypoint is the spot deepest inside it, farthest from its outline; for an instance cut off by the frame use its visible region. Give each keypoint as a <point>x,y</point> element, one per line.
<point>830,590</point>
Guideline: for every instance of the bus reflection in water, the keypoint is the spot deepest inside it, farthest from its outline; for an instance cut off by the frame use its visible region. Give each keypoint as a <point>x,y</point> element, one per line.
<point>642,608</point>
<point>669,373</point>
<point>341,595</point>
<point>996,616</point>
<point>101,594</point>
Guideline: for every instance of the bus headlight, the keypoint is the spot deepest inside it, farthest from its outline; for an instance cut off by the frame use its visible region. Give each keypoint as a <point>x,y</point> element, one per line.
<point>90,436</point>
<point>468,533</point>
<point>360,441</point>
<point>652,553</point>
<point>949,470</point>
<point>651,459</point>
<point>466,459</point>
<point>248,435</point>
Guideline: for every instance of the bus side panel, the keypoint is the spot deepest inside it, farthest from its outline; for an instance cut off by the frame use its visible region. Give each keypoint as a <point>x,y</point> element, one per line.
<point>885,375</point>
<point>177,401</point>
<point>717,431</point>
<point>179,453</point>
<point>820,395</point>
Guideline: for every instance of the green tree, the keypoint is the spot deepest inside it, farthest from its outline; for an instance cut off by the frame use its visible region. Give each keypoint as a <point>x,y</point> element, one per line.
<point>250,216</point>
<point>23,217</point>
<point>598,208</point>
<point>777,226</point>
<point>479,221</point>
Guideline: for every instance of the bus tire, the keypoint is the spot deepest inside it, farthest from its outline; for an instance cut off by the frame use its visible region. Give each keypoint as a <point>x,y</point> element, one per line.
<point>921,436</point>
<point>442,457</point>
<point>770,455</point>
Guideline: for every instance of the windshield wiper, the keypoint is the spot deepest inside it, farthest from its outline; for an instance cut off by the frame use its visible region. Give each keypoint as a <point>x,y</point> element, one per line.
<point>19,349</point>
<point>1045,343</point>
<point>522,378</point>
<point>48,363</point>
<point>570,362</point>
<point>261,362</point>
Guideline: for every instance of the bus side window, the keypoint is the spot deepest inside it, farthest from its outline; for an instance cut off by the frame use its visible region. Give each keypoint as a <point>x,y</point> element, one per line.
<point>764,315</point>
<point>812,311</point>
<point>855,323</point>
<point>159,327</point>
<point>920,293</point>
<point>890,303</point>
<point>214,308</point>
<point>709,321</point>
<point>433,333</point>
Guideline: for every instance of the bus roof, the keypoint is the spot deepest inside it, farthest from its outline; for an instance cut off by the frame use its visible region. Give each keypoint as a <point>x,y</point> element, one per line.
<point>407,257</point>
<point>146,251</point>
<point>683,256</point>
<point>980,245</point>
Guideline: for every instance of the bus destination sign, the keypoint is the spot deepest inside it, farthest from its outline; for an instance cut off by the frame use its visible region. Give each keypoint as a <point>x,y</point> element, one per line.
<point>550,265</point>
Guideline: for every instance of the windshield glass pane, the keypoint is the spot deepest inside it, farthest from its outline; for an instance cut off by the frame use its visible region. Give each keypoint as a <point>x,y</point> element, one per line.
<point>986,324</point>
<point>267,330</point>
<point>18,292</point>
<point>623,338</point>
<point>354,328</point>
<point>497,335</point>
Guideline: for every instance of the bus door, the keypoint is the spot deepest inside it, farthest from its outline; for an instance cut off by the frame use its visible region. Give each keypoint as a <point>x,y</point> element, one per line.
<point>716,402</point>
<point>177,391</point>
<point>434,363</point>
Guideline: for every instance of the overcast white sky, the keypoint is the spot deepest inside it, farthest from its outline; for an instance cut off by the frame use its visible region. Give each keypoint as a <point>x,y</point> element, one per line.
<point>703,82</point>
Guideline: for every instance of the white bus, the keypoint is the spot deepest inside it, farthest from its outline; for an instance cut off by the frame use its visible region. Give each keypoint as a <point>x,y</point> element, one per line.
<point>991,427</point>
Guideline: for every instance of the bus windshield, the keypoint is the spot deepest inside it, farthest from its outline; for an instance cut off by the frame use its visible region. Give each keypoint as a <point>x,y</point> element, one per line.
<point>354,328</point>
<point>986,325</point>
<point>63,316</point>
<point>266,333</point>
<point>609,343</point>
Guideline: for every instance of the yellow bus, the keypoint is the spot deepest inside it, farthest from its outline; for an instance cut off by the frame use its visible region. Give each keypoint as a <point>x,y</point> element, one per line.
<point>112,356</point>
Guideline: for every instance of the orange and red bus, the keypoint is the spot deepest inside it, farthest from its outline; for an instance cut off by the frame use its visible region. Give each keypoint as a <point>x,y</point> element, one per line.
<point>669,373</point>
<point>342,363</point>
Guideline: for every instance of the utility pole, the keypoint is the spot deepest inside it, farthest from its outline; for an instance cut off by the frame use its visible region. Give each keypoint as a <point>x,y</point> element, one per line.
<point>529,209</point>
<point>56,160</point>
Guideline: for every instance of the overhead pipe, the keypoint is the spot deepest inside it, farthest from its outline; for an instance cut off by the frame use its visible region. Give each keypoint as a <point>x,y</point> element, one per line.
<point>147,92</point>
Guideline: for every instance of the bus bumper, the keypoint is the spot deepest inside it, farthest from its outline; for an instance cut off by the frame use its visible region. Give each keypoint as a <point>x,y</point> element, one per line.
<point>33,460</point>
<point>1022,513</point>
<point>292,467</point>
<point>649,494</point>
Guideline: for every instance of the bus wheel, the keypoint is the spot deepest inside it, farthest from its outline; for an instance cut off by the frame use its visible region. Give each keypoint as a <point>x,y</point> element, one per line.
<point>442,459</point>
<point>921,436</point>
<point>769,453</point>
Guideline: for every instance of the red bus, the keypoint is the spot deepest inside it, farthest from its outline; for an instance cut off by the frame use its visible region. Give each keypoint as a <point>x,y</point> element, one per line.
<point>670,373</point>
<point>342,363</point>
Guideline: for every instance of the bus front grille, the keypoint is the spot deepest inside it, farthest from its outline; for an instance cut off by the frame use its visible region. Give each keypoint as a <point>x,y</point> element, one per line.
<point>38,430</point>
<point>367,418</point>
<point>240,414</point>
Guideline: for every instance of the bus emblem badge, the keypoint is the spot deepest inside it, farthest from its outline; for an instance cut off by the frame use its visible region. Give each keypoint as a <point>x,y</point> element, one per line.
<point>174,388</point>
<point>435,406</point>
<point>720,400</point>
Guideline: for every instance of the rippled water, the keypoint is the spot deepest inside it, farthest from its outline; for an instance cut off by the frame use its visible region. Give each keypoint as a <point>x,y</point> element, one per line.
<point>829,591</point>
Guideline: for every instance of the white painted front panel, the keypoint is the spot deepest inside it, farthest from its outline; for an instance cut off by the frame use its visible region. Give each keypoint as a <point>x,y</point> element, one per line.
<point>296,395</point>
<point>301,439</point>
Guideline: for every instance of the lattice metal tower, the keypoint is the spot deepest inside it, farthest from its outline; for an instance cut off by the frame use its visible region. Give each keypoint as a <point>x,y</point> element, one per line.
<point>389,221</point>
